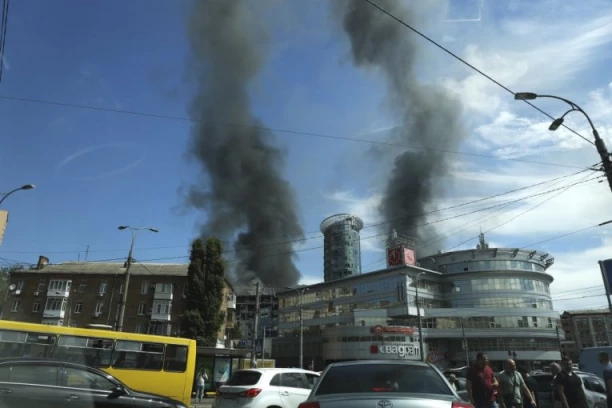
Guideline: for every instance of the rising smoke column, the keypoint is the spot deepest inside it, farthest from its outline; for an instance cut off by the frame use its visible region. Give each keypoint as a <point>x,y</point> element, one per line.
<point>431,117</point>
<point>244,191</point>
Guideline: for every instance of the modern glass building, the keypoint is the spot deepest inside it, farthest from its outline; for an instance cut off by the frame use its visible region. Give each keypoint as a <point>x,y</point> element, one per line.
<point>341,246</point>
<point>486,299</point>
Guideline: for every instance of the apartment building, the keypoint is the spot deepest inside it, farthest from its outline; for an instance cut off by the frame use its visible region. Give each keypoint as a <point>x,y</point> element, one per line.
<point>585,328</point>
<point>79,294</point>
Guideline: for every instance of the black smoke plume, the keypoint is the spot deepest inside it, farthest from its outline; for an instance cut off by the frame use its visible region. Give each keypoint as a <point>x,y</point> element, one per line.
<point>431,116</point>
<point>244,197</point>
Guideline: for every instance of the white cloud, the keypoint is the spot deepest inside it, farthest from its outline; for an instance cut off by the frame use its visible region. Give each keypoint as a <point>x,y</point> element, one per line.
<point>365,208</point>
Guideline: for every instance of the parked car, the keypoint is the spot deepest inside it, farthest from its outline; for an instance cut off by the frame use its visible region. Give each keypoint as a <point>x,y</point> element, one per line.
<point>45,383</point>
<point>594,389</point>
<point>383,384</point>
<point>266,387</point>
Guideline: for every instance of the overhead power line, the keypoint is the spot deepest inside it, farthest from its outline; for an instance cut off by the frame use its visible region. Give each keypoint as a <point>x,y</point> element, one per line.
<point>378,224</point>
<point>287,131</point>
<point>452,54</point>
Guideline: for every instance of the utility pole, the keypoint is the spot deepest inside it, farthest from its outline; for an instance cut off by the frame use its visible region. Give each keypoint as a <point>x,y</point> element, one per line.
<point>420,322</point>
<point>255,328</point>
<point>465,343</point>
<point>559,340</point>
<point>126,283</point>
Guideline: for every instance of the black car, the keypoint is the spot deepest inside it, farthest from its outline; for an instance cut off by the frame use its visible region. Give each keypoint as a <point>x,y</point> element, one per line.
<point>44,383</point>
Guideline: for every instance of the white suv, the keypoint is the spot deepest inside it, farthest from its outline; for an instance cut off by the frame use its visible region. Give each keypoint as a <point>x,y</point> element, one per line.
<point>266,388</point>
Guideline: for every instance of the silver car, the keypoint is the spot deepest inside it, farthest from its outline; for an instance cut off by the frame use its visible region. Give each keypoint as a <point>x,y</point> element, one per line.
<point>383,384</point>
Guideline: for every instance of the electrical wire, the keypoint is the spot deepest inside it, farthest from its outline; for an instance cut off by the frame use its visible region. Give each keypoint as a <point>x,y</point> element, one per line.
<point>377,224</point>
<point>452,54</point>
<point>286,131</point>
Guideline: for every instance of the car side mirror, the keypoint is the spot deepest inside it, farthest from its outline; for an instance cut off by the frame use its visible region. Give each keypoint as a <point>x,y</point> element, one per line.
<point>117,392</point>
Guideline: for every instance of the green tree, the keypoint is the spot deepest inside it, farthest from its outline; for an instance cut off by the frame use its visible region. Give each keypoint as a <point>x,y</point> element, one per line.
<point>214,282</point>
<point>203,317</point>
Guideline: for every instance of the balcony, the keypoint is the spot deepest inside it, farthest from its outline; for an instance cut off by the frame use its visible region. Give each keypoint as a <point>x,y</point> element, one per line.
<point>59,288</point>
<point>163,291</point>
<point>231,301</point>
<point>164,317</point>
<point>53,314</point>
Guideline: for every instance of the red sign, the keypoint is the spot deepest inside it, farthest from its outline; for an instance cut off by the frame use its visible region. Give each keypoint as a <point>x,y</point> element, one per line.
<point>391,329</point>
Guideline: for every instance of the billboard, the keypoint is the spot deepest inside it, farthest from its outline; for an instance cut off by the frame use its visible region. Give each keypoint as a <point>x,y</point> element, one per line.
<point>606,274</point>
<point>3,222</point>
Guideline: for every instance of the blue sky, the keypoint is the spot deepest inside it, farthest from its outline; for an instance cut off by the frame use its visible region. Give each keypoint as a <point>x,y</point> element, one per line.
<point>95,170</point>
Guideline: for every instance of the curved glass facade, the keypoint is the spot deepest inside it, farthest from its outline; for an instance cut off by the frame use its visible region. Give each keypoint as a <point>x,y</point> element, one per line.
<point>491,265</point>
<point>501,284</point>
<point>341,246</point>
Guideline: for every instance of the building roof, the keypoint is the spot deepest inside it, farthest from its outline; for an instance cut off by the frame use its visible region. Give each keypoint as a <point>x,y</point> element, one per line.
<point>112,268</point>
<point>587,311</point>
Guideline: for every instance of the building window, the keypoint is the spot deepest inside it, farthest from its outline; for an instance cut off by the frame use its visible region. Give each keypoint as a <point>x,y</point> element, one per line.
<point>82,288</point>
<point>144,288</point>
<point>164,288</point>
<point>99,306</point>
<point>138,328</point>
<point>15,306</point>
<point>36,307</point>
<point>19,285</point>
<point>103,288</point>
<point>78,308</point>
<point>55,304</point>
<point>60,285</point>
<point>162,307</point>
<point>142,307</point>
<point>41,286</point>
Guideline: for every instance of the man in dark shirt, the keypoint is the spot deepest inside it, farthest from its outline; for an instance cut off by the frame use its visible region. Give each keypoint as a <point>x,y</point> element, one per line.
<point>569,386</point>
<point>481,383</point>
<point>532,385</point>
<point>604,359</point>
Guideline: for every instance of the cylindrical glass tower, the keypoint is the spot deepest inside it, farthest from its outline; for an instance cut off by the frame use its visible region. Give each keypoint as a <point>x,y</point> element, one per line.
<point>342,248</point>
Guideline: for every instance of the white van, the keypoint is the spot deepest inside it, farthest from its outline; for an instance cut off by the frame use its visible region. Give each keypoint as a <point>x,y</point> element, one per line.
<point>589,360</point>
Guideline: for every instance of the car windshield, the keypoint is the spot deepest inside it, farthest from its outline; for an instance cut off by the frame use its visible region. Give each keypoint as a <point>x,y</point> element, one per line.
<point>372,378</point>
<point>244,378</point>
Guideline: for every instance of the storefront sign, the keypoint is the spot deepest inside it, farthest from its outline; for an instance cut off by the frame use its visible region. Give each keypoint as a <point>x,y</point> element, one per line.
<point>395,350</point>
<point>391,329</point>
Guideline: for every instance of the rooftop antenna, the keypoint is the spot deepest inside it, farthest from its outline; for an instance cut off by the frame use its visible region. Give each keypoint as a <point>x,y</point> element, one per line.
<point>86,253</point>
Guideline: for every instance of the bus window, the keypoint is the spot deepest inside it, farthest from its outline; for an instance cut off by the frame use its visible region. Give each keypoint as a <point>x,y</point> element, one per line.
<point>24,344</point>
<point>175,359</point>
<point>89,351</point>
<point>138,356</point>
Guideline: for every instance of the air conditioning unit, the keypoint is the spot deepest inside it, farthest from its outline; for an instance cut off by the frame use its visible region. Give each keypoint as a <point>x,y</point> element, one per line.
<point>36,293</point>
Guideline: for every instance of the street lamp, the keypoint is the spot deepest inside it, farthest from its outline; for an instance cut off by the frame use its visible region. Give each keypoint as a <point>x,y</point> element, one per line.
<point>25,187</point>
<point>599,142</point>
<point>301,291</point>
<point>126,282</point>
<point>420,322</point>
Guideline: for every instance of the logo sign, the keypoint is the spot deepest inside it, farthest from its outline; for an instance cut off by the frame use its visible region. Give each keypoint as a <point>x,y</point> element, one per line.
<point>398,350</point>
<point>384,404</point>
<point>393,329</point>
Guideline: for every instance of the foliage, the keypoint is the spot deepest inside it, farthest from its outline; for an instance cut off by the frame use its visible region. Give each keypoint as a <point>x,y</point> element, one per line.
<point>203,317</point>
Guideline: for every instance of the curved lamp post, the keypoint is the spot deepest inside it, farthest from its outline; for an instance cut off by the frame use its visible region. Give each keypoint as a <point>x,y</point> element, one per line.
<point>599,142</point>
<point>126,282</point>
<point>25,187</point>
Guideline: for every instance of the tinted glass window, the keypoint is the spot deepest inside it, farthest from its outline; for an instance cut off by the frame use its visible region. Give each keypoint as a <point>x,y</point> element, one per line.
<point>137,355</point>
<point>4,372</point>
<point>368,378</point>
<point>275,381</point>
<point>244,377</point>
<point>24,344</point>
<point>312,380</point>
<point>293,380</point>
<point>89,351</point>
<point>78,378</point>
<point>34,374</point>
<point>176,358</point>
<point>593,384</point>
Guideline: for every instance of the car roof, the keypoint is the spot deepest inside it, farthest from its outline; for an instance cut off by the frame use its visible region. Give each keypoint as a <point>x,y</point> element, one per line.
<point>379,362</point>
<point>277,370</point>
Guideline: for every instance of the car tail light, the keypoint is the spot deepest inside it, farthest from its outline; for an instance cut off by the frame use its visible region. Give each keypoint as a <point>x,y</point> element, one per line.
<point>382,389</point>
<point>309,405</point>
<point>462,405</point>
<point>251,393</point>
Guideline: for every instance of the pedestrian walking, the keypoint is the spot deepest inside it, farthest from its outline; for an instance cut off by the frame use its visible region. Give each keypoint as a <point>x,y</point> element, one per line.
<point>604,359</point>
<point>569,386</point>
<point>481,383</point>
<point>201,378</point>
<point>512,387</point>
